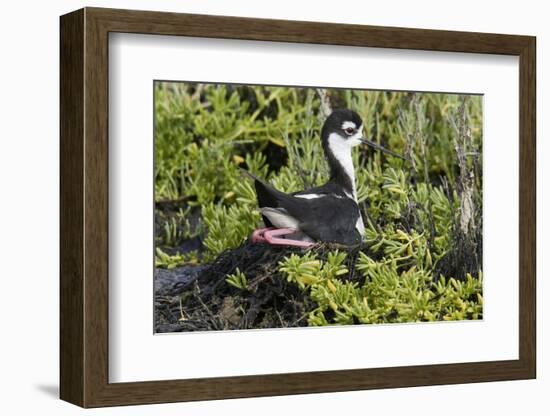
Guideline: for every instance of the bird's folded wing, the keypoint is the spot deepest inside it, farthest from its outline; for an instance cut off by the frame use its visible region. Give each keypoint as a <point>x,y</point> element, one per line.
<point>327,217</point>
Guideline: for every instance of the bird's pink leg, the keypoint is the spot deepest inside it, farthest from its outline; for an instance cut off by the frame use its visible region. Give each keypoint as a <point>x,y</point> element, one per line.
<point>258,235</point>
<point>270,237</point>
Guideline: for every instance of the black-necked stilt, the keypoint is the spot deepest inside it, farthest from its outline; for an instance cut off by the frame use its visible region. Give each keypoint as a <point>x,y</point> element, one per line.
<point>327,213</point>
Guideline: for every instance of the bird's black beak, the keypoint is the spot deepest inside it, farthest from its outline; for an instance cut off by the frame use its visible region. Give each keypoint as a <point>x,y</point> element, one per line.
<point>376,146</point>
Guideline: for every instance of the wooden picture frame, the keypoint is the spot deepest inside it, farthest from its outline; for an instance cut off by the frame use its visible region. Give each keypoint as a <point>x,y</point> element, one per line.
<point>84,207</point>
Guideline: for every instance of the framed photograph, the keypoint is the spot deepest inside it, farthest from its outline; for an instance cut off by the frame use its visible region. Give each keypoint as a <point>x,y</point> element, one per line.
<point>256,207</point>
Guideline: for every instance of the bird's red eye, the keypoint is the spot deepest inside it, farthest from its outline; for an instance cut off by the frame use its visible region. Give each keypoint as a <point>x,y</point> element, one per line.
<point>349,131</point>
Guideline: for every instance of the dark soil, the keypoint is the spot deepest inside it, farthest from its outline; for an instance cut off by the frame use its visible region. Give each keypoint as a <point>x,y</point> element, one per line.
<point>199,298</point>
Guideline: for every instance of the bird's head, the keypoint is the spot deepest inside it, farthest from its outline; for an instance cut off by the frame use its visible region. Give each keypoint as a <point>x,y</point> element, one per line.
<point>345,126</point>
<point>343,129</point>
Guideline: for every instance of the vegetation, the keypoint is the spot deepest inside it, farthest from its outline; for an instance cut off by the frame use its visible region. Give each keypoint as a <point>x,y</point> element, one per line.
<point>385,296</point>
<point>421,258</point>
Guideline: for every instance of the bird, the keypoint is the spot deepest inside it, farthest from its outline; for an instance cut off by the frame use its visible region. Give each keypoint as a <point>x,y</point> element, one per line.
<point>328,213</point>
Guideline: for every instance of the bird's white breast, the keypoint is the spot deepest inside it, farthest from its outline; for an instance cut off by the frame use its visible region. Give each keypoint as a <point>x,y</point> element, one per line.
<point>341,150</point>
<point>359,226</point>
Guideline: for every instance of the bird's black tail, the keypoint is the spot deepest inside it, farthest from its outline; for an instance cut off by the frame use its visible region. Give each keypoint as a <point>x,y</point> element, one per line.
<point>245,172</point>
<point>264,194</point>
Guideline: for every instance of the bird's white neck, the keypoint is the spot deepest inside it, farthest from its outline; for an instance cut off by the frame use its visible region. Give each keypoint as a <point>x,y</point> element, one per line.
<point>341,151</point>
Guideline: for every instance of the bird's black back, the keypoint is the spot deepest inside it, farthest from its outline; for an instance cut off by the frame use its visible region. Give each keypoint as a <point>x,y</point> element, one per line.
<point>330,218</point>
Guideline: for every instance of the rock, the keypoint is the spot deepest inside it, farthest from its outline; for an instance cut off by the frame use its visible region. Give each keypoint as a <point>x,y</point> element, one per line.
<point>173,282</point>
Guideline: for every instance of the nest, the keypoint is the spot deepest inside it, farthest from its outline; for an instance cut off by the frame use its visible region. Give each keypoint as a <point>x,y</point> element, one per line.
<point>205,301</point>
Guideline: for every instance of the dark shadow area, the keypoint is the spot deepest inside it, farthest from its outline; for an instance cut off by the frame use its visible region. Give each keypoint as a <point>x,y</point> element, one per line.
<point>49,390</point>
